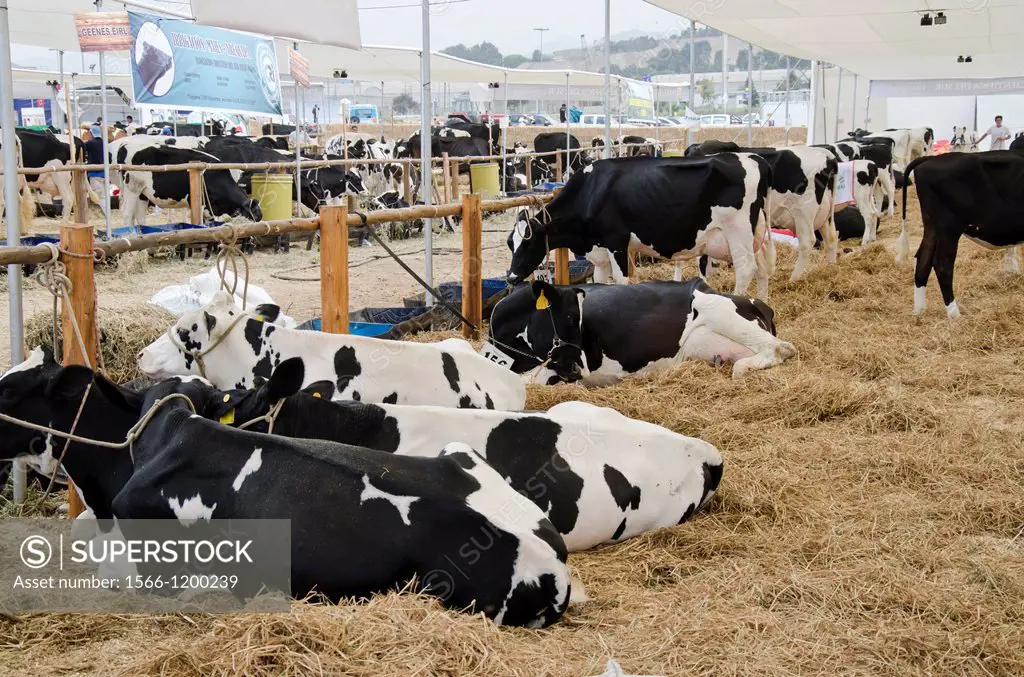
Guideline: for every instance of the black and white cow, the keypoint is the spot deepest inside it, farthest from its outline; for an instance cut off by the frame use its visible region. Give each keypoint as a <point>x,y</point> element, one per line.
<point>232,348</point>
<point>602,333</point>
<point>801,196</point>
<point>977,195</point>
<point>241,149</point>
<point>490,134</point>
<point>171,189</point>
<point>670,208</point>
<point>879,152</point>
<point>548,142</point>
<point>962,141</point>
<point>1017,143</point>
<point>908,144</point>
<point>598,476</point>
<point>362,521</point>
<point>45,149</point>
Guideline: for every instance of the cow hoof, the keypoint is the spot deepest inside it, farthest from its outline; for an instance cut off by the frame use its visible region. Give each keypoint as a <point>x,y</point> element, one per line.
<point>717,362</point>
<point>952,311</point>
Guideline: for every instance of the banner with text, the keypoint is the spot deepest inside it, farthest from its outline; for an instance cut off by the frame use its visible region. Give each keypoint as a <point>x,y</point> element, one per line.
<point>103,32</point>
<point>639,99</point>
<point>177,64</point>
<point>884,89</point>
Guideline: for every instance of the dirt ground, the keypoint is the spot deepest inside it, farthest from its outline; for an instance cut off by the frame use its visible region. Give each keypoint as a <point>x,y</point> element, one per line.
<point>870,519</point>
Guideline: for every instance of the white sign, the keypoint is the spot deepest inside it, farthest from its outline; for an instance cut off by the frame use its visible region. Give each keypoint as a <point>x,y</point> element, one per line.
<point>884,89</point>
<point>844,184</point>
<point>492,353</point>
<point>33,116</point>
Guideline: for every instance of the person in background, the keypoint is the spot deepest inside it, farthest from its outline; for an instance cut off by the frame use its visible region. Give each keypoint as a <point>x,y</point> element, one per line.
<point>1000,135</point>
<point>129,124</point>
<point>94,156</point>
<point>316,113</point>
<point>562,113</point>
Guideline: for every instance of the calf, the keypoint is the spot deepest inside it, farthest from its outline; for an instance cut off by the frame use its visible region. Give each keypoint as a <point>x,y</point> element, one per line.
<point>362,521</point>
<point>231,348</point>
<point>601,333</point>
<point>674,208</point>
<point>171,189</point>
<point>45,149</point>
<point>973,194</point>
<point>599,477</point>
<point>879,153</point>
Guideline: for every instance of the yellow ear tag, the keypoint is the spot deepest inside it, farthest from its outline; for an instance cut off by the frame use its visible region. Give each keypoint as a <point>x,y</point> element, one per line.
<point>542,302</point>
<point>227,398</point>
<point>228,418</point>
<point>261,318</point>
<point>317,395</point>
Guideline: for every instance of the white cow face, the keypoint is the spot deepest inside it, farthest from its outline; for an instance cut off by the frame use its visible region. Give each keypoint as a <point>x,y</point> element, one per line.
<point>197,330</point>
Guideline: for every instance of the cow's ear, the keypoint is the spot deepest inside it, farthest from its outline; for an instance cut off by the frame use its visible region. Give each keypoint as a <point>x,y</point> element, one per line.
<point>286,379</point>
<point>118,396</point>
<point>543,293</point>
<point>68,383</point>
<point>268,312</point>
<point>323,390</point>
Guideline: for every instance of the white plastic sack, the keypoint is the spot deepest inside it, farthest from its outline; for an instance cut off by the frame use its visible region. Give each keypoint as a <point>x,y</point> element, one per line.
<point>178,299</point>
<point>782,238</point>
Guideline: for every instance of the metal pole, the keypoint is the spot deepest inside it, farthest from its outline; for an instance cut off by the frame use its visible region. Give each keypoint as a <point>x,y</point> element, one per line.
<point>103,131</point>
<point>12,199</point>
<point>74,103</point>
<point>839,96</point>
<point>693,48</point>
<point>725,73</point>
<point>867,109</point>
<point>853,112</point>
<point>381,111</point>
<point>426,169</point>
<point>298,145</point>
<point>504,143</point>
<point>67,114</point>
<point>750,95</point>
<point>812,111</point>
<point>567,133</point>
<point>787,100</point>
<point>607,79</point>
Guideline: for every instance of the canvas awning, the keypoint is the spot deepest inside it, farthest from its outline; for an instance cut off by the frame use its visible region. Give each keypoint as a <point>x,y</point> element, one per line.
<point>876,38</point>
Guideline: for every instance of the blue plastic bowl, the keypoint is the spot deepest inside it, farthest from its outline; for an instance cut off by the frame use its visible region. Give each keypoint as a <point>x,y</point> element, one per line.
<point>357,328</point>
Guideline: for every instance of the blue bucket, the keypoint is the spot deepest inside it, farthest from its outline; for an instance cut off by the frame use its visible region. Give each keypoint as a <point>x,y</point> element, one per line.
<point>391,316</point>
<point>549,186</point>
<point>370,329</point>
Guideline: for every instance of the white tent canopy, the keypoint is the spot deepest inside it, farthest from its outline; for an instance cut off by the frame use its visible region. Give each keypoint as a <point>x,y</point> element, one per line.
<point>876,38</point>
<point>328,22</point>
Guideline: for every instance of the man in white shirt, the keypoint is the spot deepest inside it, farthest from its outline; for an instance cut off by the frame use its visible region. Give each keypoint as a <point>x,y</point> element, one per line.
<point>1000,135</point>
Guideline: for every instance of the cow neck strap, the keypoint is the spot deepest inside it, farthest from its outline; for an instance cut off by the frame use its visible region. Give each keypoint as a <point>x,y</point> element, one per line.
<point>270,417</point>
<point>557,341</point>
<point>198,356</point>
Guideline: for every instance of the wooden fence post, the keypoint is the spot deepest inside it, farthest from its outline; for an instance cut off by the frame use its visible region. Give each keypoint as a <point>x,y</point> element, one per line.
<point>562,266</point>
<point>472,265</point>
<point>195,195</point>
<point>446,175</point>
<point>407,181</point>
<point>76,241</point>
<point>455,181</point>
<point>529,171</point>
<point>334,269</point>
<point>80,188</point>
<point>558,168</point>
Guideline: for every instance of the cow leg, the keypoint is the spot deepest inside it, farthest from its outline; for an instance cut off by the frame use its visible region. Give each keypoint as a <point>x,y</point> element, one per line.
<point>620,265</point>
<point>805,243</point>
<point>129,205</point>
<point>890,189</point>
<point>718,333</point>
<point>945,260</point>
<point>741,249</point>
<point>1011,262</point>
<point>62,182</point>
<point>925,259</point>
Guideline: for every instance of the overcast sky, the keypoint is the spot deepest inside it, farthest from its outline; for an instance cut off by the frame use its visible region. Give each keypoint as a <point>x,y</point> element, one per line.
<point>508,24</point>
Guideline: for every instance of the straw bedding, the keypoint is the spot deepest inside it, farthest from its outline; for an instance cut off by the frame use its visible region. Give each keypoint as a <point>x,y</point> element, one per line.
<point>870,520</point>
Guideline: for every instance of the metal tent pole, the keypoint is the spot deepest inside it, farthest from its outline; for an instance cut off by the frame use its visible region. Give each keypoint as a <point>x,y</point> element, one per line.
<point>787,101</point>
<point>853,112</point>
<point>567,118</point>
<point>812,113</point>
<point>725,73</point>
<point>67,114</point>
<point>504,141</point>
<point>426,170</point>
<point>750,94</point>
<point>839,96</point>
<point>103,131</point>
<point>298,144</point>
<point>380,113</point>
<point>12,199</point>
<point>693,48</point>
<point>74,103</point>
<point>867,108</point>
<point>607,79</point>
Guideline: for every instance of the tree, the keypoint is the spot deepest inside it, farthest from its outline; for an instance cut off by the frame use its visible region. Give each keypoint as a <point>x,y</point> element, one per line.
<point>513,60</point>
<point>404,104</point>
<point>485,52</point>
<point>706,89</point>
<point>536,55</point>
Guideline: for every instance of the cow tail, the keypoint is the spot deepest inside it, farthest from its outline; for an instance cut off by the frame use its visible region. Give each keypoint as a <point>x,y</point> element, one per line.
<point>903,245</point>
<point>833,232</point>
<point>770,254</point>
<point>28,206</point>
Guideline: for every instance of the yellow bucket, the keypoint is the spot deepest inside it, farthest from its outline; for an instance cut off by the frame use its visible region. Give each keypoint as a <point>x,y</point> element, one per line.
<point>673,153</point>
<point>274,193</point>
<point>483,179</point>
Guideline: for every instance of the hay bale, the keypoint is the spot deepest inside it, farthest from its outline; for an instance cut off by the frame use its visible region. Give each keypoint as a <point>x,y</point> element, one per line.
<point>122,335</point>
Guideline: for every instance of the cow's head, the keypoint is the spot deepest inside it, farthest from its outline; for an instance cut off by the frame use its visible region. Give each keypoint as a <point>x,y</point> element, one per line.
<point>28,391</point>
<point>528,242</point>
<point>241,406</point>
<point>555,328</point>
<point>182,349</point>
